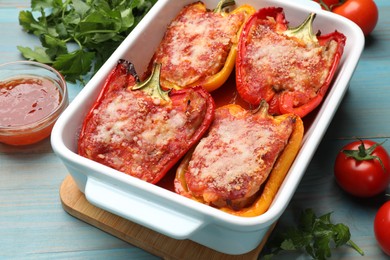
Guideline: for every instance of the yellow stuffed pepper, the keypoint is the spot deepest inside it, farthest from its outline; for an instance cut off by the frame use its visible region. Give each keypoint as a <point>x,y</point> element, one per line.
<point>200,46</point>
<point>240,164</point>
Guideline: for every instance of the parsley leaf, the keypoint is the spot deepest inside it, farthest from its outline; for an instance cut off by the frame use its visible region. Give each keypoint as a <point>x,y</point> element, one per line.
<point>95,27</point>
<point>75,63</point>
<point>39,54</point>
<point>314,235</point>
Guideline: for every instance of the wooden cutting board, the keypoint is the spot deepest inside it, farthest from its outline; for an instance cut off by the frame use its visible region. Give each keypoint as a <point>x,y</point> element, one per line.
<point>74,202</point>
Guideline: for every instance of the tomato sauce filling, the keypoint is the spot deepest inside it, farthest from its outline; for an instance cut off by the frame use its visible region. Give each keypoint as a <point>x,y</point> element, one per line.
<point>139,135</point>
<point>27,100</point>
<point>196,45</point>
<point>231,163</point>
<point>277,63</point>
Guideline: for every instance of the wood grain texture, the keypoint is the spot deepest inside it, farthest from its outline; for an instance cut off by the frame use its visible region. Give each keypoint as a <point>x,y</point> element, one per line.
<point>33,224</point>
<point>75,203</point>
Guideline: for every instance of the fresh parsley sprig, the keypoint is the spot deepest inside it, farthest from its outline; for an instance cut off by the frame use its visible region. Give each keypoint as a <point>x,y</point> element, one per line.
<point>78,36</point>
<point>313,235</point>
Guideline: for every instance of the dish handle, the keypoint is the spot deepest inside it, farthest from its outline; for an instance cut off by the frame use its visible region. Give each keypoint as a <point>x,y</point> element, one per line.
<point>137,208</point>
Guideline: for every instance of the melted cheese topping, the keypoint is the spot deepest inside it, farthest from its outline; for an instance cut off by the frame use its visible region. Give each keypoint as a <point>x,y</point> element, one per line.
<point>286,64</point>
<point>140,136</point>
<point>237,155</point>
<point>196,45</point>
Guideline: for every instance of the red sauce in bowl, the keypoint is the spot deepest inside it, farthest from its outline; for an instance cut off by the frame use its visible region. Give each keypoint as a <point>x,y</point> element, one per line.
<point>27,100</point>
<point>32,97</point>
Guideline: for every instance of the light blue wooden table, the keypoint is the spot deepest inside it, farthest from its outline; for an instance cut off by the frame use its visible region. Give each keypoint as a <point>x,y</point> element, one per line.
<point>33,225</point>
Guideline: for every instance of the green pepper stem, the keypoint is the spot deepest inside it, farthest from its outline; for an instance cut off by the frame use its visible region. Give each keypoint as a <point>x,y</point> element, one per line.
<point>303,31</point>
<point>262,109</point>
<point>151,85</point>
<point>223,4</point>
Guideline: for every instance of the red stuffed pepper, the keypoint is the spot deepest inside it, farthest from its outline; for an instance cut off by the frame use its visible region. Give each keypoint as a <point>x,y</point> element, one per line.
<point>139,129</point>
<point>291,68</point>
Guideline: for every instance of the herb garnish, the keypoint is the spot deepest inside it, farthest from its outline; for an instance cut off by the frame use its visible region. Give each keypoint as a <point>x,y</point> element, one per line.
<point>314,235</point>
<point>95,27</point>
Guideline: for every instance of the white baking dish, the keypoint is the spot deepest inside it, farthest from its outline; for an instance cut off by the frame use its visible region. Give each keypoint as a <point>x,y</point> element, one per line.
<point>163,210</point>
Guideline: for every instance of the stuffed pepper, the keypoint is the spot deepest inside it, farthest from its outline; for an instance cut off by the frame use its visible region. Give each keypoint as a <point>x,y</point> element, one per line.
<point>139,129</point>
<point>291,68</point>
<point>200,45</point>
<point>241,162</point>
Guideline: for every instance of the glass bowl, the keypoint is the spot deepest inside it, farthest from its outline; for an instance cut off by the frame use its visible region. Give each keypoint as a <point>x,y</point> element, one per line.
<point>32,97</point>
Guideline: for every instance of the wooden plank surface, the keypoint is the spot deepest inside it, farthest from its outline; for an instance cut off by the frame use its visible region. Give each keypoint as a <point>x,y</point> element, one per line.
<point>33,224</point>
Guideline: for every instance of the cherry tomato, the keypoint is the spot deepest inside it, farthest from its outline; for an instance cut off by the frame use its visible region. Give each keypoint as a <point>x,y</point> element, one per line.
<point>363,12</point>
<point>362,168</point>
<point>382,227</point>
<point>327,4</point>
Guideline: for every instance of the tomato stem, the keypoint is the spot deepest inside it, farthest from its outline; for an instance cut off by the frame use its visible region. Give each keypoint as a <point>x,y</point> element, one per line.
<point>363,154</point>
<point>324,6</point>
<point>330,7</point>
